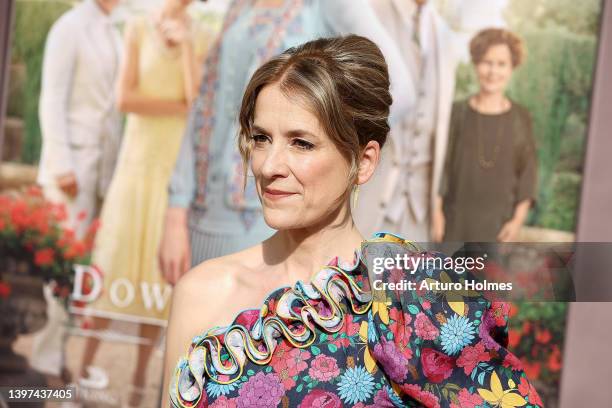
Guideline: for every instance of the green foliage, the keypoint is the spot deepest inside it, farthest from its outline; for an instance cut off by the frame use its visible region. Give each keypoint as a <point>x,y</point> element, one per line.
<point>555,86</point>
<point>32,23</point>
<point>562,203</point>
<point>577,17</point>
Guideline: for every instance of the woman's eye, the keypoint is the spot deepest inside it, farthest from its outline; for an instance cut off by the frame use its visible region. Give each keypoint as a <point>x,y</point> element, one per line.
<point>303,144</point>
<point>259,138</point>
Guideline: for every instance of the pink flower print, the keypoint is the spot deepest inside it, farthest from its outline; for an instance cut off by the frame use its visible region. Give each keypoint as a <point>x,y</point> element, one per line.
<point>223,402</point>
<point>289,362</point>
<point>260,391</point>
<point>392,360</point>
<point>467,400</point>
<point>471,356</point>
<point>324,368</point>
<point>424,327</point>
<point>382,400</point>
<point>511,361</point>
<point>321,399</point>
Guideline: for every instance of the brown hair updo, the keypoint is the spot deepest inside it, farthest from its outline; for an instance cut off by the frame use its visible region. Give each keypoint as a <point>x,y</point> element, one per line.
<point>342,80</point>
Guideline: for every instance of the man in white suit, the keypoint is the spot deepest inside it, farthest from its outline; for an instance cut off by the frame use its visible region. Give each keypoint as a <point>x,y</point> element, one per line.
<point>80,135</point>
<point>400,197</point>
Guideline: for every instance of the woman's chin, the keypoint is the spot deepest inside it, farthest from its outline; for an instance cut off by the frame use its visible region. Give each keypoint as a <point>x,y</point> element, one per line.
<point>279,222</point>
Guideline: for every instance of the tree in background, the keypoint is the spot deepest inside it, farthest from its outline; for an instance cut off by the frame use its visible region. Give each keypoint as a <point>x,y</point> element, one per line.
<point>33,19</point>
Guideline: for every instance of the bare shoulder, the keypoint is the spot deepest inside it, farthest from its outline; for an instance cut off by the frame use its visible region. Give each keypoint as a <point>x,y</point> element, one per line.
<point>203,298</point>
<point>217,276</point>
<point>208,288</point>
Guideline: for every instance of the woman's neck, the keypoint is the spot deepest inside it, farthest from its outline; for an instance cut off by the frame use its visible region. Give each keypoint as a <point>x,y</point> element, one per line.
<point>490,103</point>
<point>298,253</point>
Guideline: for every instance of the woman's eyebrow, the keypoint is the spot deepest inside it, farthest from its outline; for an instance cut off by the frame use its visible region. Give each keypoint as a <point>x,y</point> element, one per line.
<point>259,129</point>
<point>301,132</point>
<point>292,133</point>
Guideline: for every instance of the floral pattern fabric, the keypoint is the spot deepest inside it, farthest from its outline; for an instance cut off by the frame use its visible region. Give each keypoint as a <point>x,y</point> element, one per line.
<point>333,343</point>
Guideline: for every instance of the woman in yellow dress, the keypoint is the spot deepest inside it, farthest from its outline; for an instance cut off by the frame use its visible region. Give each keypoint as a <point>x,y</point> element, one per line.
<point>157,84</point>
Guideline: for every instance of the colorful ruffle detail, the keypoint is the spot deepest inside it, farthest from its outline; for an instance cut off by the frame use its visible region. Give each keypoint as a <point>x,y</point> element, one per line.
<point>290,313</point>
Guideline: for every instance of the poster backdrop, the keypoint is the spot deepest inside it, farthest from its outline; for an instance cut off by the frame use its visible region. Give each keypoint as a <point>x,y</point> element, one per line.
<point>554,85</point>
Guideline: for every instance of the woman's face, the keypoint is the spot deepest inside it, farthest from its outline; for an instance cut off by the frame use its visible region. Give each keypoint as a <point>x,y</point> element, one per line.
<point>495,69</point>
<point>299,172</point>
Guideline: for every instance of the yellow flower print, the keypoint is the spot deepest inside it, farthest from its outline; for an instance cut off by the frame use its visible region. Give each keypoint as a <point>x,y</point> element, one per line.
<point>370,363</point>
<point>498,397</point>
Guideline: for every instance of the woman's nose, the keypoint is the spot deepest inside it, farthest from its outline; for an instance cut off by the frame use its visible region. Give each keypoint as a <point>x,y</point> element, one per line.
<point>275,163</point>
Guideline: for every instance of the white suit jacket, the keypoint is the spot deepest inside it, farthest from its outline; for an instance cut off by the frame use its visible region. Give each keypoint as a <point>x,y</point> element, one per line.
<point>379,196</point>
<point>79,124</point>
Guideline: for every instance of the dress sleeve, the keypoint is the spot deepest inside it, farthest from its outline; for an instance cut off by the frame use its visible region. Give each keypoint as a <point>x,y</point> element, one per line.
<point>445,349</point>
<point>526,161</point>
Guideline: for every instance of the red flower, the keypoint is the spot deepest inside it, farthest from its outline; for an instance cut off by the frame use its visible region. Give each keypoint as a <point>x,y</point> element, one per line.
<point>402,329</point>
<point>500,310</point>
<point>526,389</point>
<point>514,338</point>
<point>44,257</point>
<point>513,310</point>
<point>543,336</point>
<point>526,327</point>
<point>321,399</point>
<point>511,361</point>
<point>341,342</point>
<point>223,402</point>
<point>437,366</point>
<point>34,191</point>
<point>350,327</point>
<point>532,369</point>
<point>288,362</point>
<point>554,360</point>
<point>5,290</point>
<point>248,318</point>
<point>471,356</point>
<point>467,400</point>
<point>77,249</point>
<point>427,399</point>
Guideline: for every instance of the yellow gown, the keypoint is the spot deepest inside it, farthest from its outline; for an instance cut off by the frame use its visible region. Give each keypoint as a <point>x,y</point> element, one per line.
<point>131,222</point>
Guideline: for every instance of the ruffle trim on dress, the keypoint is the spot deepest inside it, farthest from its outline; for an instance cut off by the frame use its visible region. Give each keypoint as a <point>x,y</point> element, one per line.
<point>221,353</point>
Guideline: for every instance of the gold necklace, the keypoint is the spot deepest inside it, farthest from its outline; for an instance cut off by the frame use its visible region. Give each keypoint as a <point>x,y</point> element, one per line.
<point>482,160</point>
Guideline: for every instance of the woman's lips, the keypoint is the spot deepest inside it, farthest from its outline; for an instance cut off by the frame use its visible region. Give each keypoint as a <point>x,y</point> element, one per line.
<point>273,194</point>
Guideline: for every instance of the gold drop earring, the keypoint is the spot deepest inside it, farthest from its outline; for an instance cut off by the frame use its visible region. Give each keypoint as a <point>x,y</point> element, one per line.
<point>355,195</point>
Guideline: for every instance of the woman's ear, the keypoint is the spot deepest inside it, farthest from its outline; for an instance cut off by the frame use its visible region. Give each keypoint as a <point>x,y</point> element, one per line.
<point>368,162</point>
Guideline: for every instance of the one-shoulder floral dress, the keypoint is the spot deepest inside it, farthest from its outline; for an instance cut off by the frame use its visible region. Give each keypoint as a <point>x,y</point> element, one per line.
<point>331,343</point>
